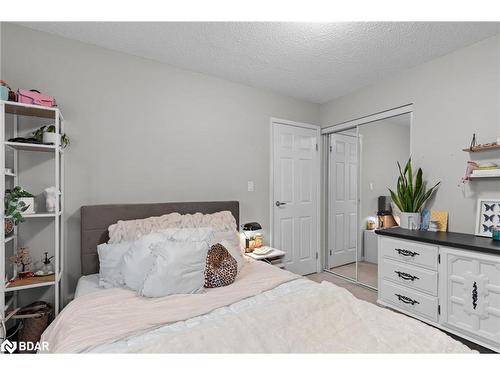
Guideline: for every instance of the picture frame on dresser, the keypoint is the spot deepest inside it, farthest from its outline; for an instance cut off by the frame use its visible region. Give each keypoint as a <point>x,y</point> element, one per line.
<point>488,216</point>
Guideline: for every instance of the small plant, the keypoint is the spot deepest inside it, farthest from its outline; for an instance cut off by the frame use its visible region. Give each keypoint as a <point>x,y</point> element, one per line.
<point>13,207</point>
<point>411,193</point>
<point>38,134</point>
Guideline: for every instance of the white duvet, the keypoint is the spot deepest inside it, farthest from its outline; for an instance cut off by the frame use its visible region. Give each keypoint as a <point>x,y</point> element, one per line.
<point>298,316</point>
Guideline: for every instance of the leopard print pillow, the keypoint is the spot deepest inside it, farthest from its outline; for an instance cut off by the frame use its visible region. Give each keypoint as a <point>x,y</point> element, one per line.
<point>221,267</point>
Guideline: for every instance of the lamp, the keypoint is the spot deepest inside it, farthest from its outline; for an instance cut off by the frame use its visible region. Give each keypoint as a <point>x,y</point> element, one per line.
<point>253,238</point>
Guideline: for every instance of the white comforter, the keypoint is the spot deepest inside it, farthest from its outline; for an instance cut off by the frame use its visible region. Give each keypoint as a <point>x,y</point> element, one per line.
<point>297,316</point>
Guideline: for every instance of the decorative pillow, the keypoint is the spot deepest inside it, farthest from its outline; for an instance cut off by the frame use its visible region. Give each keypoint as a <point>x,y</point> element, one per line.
<point>177,268</point>
<point>221,267</point>
<point>137,261</point>
<point>188,234</point>
<point>130,230</point>
<point>110,259</point>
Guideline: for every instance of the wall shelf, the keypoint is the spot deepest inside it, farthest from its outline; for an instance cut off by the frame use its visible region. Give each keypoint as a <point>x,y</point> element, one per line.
<point>484,177</point>
<point>482,148</point>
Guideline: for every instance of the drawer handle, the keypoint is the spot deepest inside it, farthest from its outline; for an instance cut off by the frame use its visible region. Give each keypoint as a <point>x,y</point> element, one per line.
<point>406,276</point>
<point>406,300</point>
<point>474,295</point>
<point>406,253</point>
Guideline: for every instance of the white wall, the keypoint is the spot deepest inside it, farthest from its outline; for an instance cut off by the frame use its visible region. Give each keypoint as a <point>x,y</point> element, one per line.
<point>453,96</point>
<point>383,144</point>
<point>143,131</point>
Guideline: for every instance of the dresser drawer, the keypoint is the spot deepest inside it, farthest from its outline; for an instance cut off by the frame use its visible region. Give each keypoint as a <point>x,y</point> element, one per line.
<point>409,252</point>
<point>411,276</point>
<point>409,300</point>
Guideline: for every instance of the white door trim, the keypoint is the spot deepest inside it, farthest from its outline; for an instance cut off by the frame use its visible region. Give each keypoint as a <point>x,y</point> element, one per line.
<point>317,175</point>
<point>366,119</point>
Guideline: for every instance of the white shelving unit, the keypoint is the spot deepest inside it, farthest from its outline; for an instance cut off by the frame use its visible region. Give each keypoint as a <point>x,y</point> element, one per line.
<point>9,289</point>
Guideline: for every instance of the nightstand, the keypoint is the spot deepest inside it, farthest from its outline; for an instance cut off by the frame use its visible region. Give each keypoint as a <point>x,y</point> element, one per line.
<point>274,257</point>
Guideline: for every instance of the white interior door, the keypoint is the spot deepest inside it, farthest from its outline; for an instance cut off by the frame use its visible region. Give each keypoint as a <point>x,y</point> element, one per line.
<point>295,195</point>
<point>343,200</point>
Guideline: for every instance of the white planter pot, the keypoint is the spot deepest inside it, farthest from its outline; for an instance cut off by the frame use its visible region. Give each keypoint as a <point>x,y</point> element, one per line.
<point>30,202</point>
<point>410,220</point>
<point>53,138</point>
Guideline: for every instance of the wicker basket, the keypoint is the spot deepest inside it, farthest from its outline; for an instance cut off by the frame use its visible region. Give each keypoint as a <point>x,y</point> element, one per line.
<point>35,319</point>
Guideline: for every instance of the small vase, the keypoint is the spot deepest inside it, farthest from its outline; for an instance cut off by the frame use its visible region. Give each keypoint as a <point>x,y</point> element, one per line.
<point>410,220</point>
<point>9,226</point>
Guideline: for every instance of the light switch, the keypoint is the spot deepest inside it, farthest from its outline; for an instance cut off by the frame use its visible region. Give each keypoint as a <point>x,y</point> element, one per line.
<point>251,186</point>
<point>371,186</point>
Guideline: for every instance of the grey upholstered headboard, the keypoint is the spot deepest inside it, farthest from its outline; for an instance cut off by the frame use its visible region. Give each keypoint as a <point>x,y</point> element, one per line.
<point>95,221</point>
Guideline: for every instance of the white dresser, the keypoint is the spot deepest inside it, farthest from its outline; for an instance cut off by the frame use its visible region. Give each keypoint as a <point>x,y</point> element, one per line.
<point>454,289</point>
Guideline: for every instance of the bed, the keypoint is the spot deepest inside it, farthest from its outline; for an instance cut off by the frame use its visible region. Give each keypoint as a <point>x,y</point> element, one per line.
<point>266,310</point>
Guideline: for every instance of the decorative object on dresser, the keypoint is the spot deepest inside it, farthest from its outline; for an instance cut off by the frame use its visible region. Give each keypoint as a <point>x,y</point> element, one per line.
<point>411,195</point>
<point>488,216</point>
<point>448,280</point>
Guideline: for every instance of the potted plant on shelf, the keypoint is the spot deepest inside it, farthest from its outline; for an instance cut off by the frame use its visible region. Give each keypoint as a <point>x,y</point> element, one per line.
<point>47,134</point>
<point>17,202</point>
<point>411,195</point>
<point>14,209</point>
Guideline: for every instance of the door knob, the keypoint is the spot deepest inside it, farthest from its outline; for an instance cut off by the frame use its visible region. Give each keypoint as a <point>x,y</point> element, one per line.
<point>278,203</point>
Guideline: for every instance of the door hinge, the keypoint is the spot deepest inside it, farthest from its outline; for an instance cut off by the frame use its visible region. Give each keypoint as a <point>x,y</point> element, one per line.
<point>317,147</point>
<point>316,255</point>
<point>330,253</point>
<point>439,258</point>
<point>331,148</point>
<point>439,309</point>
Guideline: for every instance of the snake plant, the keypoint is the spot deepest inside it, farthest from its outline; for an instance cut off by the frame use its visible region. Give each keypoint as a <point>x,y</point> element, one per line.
<point>411,193</point>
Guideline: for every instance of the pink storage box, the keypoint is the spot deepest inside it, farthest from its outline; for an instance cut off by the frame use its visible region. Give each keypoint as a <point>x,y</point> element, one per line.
<point>35,97</point>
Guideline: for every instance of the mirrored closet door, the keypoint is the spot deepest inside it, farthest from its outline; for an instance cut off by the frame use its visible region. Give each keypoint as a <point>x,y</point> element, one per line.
<point>361,167</point>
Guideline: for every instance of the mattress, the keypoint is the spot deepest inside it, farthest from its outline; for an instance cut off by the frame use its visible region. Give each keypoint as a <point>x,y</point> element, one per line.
<point>292,316</point>
<point>87,284</point>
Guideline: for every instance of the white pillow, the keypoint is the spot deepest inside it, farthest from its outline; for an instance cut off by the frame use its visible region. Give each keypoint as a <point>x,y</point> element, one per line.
<point>188,234</point>
<point>178,268</point>
<point>137,261</point>
<point>231,241</point>
<point>110,258</point>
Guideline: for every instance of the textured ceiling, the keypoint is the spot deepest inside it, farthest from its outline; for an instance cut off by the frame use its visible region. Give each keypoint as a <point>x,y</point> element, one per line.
<point>311,61</point>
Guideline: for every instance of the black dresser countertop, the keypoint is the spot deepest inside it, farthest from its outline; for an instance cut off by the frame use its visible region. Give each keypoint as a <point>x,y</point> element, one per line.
<point>451,239</point>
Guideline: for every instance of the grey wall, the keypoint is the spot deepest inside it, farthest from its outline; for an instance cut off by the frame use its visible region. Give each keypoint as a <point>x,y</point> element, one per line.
<point>143,131</point>
<point>453,96</point>
<point>383,144</point>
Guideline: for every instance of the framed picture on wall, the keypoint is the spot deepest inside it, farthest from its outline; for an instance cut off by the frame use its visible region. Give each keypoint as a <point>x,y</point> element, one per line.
<point>488,216</point>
